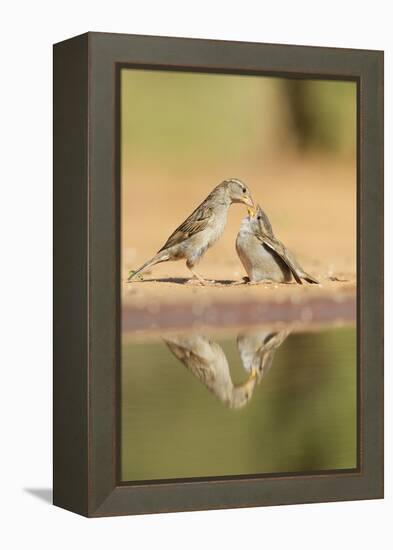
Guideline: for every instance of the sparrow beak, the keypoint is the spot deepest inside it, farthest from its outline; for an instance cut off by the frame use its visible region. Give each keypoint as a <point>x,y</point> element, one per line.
<point>248,201</point>
<point>251,381</point>
<point>251,211</point>
<point>254,374</point>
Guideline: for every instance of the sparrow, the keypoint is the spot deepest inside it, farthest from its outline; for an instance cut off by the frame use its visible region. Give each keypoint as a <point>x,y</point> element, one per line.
<point>206,360</point>
<point>263,256</point>
<point>202,228</point>
<point>257,349</point>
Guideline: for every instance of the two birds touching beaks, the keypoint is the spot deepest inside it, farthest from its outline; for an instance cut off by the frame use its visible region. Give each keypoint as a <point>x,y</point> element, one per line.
<point>263,256</point>
<point>206,360</point>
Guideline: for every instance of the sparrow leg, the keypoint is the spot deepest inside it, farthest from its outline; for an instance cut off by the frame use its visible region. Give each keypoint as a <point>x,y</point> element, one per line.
<point>197,277</point>
<point>158,258</point>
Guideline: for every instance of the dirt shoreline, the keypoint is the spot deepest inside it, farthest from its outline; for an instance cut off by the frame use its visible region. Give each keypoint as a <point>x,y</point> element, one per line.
<point>144,307</point>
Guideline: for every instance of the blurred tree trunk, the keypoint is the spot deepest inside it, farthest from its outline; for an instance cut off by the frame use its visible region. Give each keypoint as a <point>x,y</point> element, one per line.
<point>300,115</point>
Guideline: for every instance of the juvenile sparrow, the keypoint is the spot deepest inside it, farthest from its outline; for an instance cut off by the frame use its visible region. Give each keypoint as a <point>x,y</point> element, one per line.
<point>263,256</point>
<point>202,228</point>
<point>257,349</point>
<point>206,360</point>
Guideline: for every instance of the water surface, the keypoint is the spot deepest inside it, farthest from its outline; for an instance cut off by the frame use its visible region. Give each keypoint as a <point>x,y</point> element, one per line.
<point>269,402</point>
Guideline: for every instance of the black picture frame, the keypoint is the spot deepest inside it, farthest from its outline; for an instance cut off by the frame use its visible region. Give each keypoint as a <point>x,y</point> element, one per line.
<point>87,272</point>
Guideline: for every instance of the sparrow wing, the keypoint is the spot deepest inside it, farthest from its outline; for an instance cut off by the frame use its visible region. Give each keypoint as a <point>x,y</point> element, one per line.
<point>265,354</point>
<point>195,223</point>
<point>263,361</point>
<point>278,248</point>
<point>200,367</point>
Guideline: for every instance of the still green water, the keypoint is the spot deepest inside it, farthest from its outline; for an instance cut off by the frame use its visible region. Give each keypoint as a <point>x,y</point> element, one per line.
<point>238,403</point>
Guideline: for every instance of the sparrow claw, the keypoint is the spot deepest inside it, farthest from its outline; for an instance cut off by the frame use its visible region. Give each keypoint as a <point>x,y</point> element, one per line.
<point>200,282</point>
<point>242,281</point>
<point>197,282</point>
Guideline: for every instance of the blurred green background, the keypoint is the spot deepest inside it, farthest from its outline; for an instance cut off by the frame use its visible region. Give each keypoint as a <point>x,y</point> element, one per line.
<point>182,116</point>
<point>302,416</point>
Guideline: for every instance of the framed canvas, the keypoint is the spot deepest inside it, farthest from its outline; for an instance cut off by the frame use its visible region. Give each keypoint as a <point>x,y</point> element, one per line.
<point>218,274</point>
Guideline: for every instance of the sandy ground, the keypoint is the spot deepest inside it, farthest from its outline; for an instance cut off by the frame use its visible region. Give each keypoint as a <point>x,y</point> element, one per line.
<point>167,305</point>
<point>169,290</point>
<point>311,206</point>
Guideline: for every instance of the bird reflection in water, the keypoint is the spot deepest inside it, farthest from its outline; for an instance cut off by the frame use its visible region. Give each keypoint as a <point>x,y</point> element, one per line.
<point>207,361</point>
<point>257,349</point>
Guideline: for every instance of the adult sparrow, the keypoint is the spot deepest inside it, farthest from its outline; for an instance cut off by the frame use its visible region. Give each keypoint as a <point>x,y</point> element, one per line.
<point>206,360</point>
<point>263,256</point>
<point>202,228</point>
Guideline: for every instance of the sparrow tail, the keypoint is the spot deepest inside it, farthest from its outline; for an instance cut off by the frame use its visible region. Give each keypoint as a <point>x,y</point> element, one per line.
<point>158,258</point>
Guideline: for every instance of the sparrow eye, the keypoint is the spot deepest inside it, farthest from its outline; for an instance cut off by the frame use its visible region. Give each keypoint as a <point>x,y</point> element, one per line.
<point>244,189</point>
<point>259,217</point>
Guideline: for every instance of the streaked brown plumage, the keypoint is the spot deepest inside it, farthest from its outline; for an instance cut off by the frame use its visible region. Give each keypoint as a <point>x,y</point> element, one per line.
<point>263,256</point>
<point>258,347</point>
<point>206,360</point>
<point>202,228</point>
